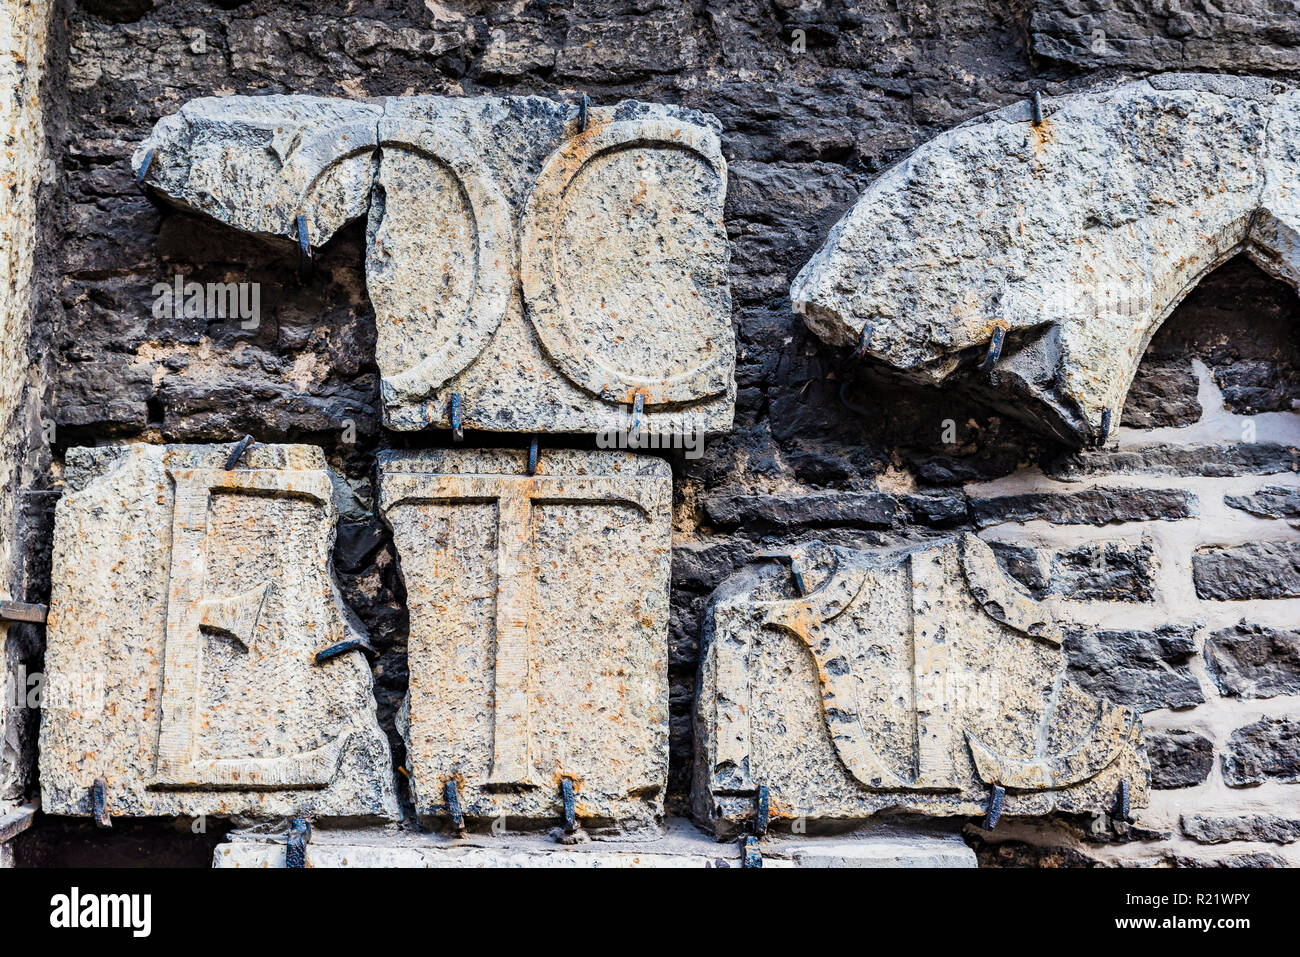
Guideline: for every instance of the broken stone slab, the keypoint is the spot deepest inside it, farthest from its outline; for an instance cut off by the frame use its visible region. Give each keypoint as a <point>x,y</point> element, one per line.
<point>1049,254</point>
<point>189,604</point>
<point>912,679</point>
<point>538,645</point>
<point>681,845</point>
<point>553,277</point>
<point>909,850</point>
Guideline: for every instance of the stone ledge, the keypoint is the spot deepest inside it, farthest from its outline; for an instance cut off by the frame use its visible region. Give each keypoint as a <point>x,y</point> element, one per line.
<point>680,845</point>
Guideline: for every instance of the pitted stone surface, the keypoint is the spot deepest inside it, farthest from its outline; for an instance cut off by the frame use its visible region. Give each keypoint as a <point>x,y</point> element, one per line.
<point>188,606</point>
<point>1076,237</point>
<point>551,276</point>
<point>539,631</point>
<point>910,679</point>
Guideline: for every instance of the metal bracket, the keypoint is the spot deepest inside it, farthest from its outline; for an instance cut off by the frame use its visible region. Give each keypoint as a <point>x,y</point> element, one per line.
<point>23,611</point>
<point>861,350</point>
<point>994,813</point>
<point>995,348</point>
<point>295,847</point>
<point>1104,432</point>
<point>584,105</point>
<point>306,265</point>
<point>762,811</point>
<point>144,168</point>
<point>796,572</point>
<point>99,804</point>
<point>638,409</point>
<point>343,647</point>
<point>532,456</point>
<point>1122,802</point>
<point>1036,107</point>
<point>570,811</point>
<point>750,855</point>
<point>457,429</point>
<point>239,451</point>
<point>454,813</point>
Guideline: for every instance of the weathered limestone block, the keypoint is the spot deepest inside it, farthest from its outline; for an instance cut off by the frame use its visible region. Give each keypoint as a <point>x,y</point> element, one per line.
<point>911,679</point>
<point>1073,240</point>
<point>189,603</point>
<point>539,631</point>
<point>679,845</point>
<point>24,30</point>
<point>554,278</point>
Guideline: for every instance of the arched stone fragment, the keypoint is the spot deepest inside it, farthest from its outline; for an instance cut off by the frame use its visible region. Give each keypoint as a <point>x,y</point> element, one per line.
<point>189,604</point>
<point>259,162</point>
<point>910,679</point>
<point>621,267</point>
<point>442,291</point>
<point>621,298</point>
<point>1076,238</point>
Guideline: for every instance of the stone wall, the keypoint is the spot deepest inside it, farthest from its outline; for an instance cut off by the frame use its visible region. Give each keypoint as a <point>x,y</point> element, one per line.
<point>1180,547</point>
<point>1174,556</point>
<point>28,169</point>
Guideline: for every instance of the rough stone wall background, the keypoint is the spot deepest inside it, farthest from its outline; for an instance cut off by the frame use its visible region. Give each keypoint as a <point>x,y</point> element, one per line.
<point>28,173</point>
<point>1181,587</point>
<point>815,99</point>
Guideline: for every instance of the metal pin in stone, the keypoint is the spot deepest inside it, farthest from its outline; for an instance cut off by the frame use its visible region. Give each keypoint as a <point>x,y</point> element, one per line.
<point>584,106</point>
<point>532,456</point>
<point>796,572</point>
<point>238,452</point>
<point>23,611</point>
<point>454,813</point>
<point>762,811</point>
<point>144,168</point>
<point>751,856</point>
<point>99,803</point>
<point>305,263</point>
<point>861,350</point>
<point>1036,107</point>
<point>1122,801</point>
<point>457,429</point>
<point>1104,432</point>
<point>994,813</point>
<point>343,647</point>
<point>995,348</point>
<point>638,407</point>
<point>570,812</point>
<point>295,850</point>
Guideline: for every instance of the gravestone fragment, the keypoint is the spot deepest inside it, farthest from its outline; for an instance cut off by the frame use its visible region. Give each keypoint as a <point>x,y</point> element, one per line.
<point>913,679</point>
<point>1033,261</point>
<point>555,269</point>
<point>189,604</point>
<point>539,632</point>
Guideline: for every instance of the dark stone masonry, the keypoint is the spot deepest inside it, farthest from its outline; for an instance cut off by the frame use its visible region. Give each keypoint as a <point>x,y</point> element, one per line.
<point>1171,556</point>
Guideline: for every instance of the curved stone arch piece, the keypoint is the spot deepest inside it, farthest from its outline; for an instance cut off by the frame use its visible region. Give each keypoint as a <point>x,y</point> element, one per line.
<point>1055,251</point>
<point>433,341</point>
<point>572,247</point>
<point>259,162</point>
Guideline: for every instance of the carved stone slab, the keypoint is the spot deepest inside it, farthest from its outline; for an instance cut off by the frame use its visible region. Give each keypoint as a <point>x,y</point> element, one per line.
<point>539,630</point>
<point>553,277</point>
<point>912,679</point>
<point>189,602</point>
<point>1072,240</point>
